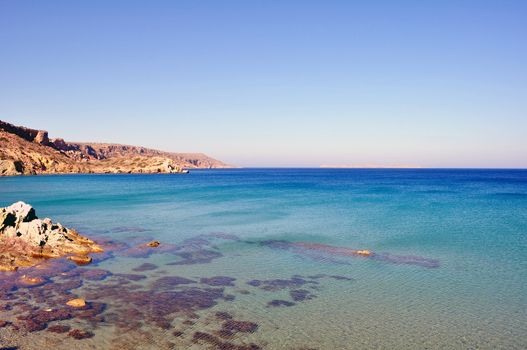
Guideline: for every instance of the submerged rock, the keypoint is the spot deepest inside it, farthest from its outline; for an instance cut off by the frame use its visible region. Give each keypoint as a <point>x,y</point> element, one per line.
<point>25,239</point>
<point>27,281</point>
<point>308,248</point>
<point>80,334</point>
<point>153,244</point>
<point>76,302</point>
<point>279,303</point>
<point>58,328</point>
<point>145,267</point>
<point>80,259</point>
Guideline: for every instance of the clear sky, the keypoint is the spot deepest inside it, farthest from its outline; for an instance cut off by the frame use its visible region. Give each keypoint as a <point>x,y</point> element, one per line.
<point>275,83</point>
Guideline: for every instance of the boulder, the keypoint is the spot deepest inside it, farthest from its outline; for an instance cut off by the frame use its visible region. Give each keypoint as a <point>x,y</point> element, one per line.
<point>27,281</point>
<point>153,244</point>
<point>42,137</point>
<point>76,302</point>
<point>80,259</point>
<point>25,239</point>
<point>363,252</point>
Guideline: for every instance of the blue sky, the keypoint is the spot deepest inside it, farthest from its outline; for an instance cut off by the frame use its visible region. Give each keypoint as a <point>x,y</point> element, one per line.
<point>275,83</point>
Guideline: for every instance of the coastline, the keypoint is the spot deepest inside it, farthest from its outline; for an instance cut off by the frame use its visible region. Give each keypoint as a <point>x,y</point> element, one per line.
<point>43,155</point>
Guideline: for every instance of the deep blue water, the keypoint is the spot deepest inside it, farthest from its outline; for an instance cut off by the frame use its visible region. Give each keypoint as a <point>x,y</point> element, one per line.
<point>471,223</point>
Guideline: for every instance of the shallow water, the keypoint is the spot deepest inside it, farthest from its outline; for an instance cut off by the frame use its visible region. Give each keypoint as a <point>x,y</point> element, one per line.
<point>448,267</point>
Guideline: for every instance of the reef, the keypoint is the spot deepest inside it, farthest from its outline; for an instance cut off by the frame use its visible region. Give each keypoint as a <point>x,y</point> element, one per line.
<point>67,302</point>
<point>80,334</point>
<point>218,343</point>
<point>145,267</point>
<point>26,240</point>
<point>200,249</point>
<point>297,285</point>
<point>58,328</point>
<point>301,294</point>
<point>231,327</point>
<point>278,303</point>
<point>218,281</point>
<point>279,284</point>
<point>319,251</point>
<point>74,302</point>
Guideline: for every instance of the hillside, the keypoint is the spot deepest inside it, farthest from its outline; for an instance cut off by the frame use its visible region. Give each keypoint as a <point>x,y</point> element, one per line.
<point>25,151</point>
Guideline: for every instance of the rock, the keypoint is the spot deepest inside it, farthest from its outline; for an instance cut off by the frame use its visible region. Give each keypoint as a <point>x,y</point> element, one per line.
<point>22,211</point>
<point>76,302</point>
<point>25,239</point>
<point>80,334</point>
<point>8,268</point>
<point>58,328</point>
<point>9,167</point>
<point>42,137</point>
<point>97,249</point>
<point>153,244</point>
<point>59,144</point>
<point>27,281</point>
<point>80,259</point>
<point>240,326</point>
<point>363,252</point>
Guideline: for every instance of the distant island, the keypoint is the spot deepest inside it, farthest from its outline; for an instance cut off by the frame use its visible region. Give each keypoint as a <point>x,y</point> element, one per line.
<point>372,166</point>
<point>25,151</point>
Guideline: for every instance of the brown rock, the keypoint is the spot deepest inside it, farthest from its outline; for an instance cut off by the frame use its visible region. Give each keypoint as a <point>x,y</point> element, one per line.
<point>80,334</point>
<point>58,328</point>
<point>9,167</point>
<point>153,244</point>
<point>30,281</point>
<point>80,259</point>
<point>363,252</point>
<point>42,137</point>
<point>76,302</point>
<point>8,268</point>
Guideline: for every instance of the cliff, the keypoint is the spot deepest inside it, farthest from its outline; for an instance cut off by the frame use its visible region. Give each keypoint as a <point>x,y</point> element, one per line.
<point>25,151</point>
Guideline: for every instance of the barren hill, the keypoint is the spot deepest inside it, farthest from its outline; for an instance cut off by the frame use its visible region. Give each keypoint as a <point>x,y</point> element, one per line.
<point>25,151</point>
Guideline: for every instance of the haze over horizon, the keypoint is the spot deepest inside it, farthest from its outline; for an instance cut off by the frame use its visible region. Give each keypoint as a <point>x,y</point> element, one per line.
<point>289,83</point>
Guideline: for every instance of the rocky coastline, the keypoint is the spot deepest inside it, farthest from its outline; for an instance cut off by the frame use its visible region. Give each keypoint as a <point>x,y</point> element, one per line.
<point>26,151</point>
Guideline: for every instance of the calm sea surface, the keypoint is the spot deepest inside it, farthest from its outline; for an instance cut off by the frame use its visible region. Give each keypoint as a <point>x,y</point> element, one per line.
<point>264,258</point>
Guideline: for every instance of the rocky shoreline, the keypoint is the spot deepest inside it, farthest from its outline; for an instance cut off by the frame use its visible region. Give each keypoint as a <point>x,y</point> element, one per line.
<point>26,240</point>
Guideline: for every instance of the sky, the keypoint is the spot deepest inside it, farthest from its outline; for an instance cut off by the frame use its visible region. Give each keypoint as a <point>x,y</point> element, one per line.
<point>275,83</point>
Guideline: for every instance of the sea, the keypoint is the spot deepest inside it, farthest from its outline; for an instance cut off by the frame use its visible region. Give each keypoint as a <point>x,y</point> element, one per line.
<point>279,259</point>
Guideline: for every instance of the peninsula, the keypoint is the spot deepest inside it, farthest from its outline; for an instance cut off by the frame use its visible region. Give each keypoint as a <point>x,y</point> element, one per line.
<point>25,151</point>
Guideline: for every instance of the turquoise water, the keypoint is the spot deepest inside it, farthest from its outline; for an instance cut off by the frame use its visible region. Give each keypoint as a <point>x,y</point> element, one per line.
<point>465,286</point>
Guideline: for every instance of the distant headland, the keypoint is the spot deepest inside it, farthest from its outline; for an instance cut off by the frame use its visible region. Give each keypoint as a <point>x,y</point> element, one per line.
<point>25,151</point>
<point>372,166</point>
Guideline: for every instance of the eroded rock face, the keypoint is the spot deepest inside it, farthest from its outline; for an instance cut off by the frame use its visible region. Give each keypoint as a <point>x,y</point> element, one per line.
<point>42,137</point>
<point>25,239</point>
<point>9,167</point>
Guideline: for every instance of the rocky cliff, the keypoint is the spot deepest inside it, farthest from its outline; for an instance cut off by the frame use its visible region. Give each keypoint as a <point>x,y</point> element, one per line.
<point>25,151</point>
